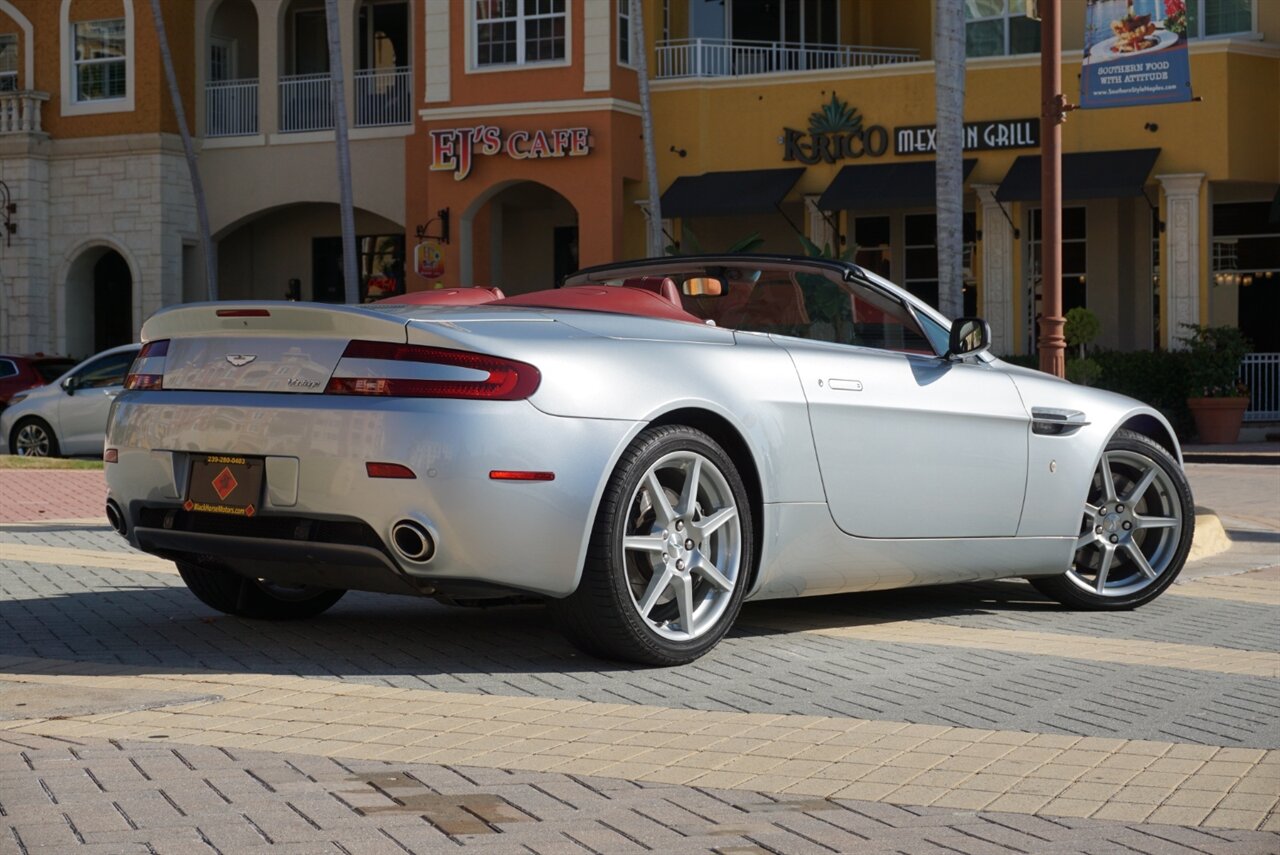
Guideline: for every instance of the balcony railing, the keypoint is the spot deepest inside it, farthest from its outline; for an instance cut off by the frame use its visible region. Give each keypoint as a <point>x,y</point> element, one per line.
<point>383,97</point>
<point>231,108</point>
<point>305,104</point>
<point>1261,373</point>
<point>725,58</point>
<point>20,111</point>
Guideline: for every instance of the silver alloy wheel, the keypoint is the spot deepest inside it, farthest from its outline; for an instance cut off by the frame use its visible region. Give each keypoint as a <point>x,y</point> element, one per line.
<point>32,441</point>
<point>1131,528</point>
<point>682,546</point>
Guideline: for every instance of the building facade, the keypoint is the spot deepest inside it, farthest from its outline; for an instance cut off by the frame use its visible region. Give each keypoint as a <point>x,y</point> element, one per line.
<point>499,143</point>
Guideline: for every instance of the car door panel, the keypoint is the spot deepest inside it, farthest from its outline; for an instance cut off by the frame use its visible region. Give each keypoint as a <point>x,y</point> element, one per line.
<point>912,446</point>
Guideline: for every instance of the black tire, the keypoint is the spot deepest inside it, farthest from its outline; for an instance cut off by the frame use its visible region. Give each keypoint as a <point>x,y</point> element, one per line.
<point>249,598</point>
<point>1170,490</point>
<point>39,426</point>
<point>603,616</point>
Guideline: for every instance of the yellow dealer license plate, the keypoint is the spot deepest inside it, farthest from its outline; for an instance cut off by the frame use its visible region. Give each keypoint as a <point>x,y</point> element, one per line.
<point>224,484</point>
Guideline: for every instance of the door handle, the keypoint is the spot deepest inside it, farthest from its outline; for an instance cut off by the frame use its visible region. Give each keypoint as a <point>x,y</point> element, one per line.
<point>111,393</point>
<point>845,385</point>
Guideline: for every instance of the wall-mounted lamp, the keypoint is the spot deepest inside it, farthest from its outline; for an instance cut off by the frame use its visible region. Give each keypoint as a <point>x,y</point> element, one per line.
<point>8,208</point>
<point>1151,126</point>
<point>441,217</point>
<point>679,151</point>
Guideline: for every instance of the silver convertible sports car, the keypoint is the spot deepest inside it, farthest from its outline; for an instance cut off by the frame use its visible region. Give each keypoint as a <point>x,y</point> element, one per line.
<point>644,449</point>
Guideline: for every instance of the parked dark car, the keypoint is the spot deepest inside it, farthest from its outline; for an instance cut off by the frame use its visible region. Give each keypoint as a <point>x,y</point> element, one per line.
<point>26,372</point>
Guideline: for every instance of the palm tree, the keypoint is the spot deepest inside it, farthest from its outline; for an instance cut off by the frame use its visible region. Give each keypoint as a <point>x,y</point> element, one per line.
<point>640,56</point>
<point>338,97</point>
<point>193,168</point>
<point>948,87</point>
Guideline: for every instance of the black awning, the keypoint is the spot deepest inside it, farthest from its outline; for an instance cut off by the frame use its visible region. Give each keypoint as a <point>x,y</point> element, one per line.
<point>1086,175</point>
<point>718,194</point>
<point>885,185</point>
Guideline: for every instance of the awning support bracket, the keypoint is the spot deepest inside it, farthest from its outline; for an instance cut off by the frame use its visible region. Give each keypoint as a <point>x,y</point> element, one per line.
<point>1155,209</point>
<point>1017,232</point>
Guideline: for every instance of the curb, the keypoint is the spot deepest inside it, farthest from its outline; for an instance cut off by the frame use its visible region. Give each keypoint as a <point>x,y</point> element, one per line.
<point>1210,538</point>
<point>1236,457</point>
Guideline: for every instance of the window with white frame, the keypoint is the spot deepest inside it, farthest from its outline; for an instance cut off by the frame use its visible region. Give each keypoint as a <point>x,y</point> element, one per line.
<point>1207,18</point>
<point>999,28</point>
<point>518,32</point>
<point>8,62</point>
<point>99,60</point>
<point>624,32</point>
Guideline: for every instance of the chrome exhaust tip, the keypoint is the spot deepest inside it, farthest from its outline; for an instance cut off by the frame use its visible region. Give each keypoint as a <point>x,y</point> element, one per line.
<point>115,517</point>
<point>413,541</point>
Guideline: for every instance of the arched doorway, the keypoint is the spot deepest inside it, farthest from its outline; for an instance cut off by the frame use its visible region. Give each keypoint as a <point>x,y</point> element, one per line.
<point>523,238</point>
<point>99,302</point>
<point>295,252</point>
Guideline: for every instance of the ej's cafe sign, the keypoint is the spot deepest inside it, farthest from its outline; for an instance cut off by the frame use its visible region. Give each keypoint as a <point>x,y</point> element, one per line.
<point>454,149</point>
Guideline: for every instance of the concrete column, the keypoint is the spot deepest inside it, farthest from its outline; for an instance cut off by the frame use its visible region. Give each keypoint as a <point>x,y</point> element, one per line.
<point>437,45</point>
<point>998,280</point>
<point>270,60</point>
<point>1182,258</point>
<point>817,227</point>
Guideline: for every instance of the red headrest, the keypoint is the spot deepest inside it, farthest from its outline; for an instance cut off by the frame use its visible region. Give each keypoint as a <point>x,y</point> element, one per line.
<point>660,285</point>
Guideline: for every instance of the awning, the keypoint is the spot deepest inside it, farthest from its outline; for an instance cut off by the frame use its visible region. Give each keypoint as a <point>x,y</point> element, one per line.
<point>718,194</point>
<point>885,185</point>
<point>1086,175</point>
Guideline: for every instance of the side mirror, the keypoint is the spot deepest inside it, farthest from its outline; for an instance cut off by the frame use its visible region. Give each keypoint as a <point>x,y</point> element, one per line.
<point>70,385</point>
<point>969,336</point>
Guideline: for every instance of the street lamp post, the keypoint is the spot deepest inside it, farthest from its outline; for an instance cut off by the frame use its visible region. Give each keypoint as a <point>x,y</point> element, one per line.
<point>1053,109</point>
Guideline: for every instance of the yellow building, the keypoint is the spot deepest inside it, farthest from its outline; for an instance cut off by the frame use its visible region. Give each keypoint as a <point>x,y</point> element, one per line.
<point>1171,211</point>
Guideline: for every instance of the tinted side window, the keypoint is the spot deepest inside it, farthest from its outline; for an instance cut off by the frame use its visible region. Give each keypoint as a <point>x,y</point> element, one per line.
<point>107,371</point>
<point>7,368</point>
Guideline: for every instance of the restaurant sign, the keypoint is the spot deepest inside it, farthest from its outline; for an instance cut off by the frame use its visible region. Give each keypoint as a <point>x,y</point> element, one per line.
<point>1135,53</point>
<point>835,132</point>
<point>454,149</point>
<point>978,136</point>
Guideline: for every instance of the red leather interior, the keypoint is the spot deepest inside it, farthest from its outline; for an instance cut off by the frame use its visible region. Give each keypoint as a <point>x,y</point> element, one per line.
<point>621,301</point>
<point>775,303</point>
<point>448,297</point>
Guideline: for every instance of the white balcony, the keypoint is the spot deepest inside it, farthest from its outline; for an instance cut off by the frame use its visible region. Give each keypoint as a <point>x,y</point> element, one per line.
<point>20,111</point>
<point>725,58</point>
<point>305,103</point>
<point>383,97</point>
<point>231,108</point>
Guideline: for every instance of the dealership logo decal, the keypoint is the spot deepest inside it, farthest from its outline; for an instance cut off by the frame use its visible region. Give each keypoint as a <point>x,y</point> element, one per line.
<point>240,359</point>
<point>835,132</point>
<point>455,149</point>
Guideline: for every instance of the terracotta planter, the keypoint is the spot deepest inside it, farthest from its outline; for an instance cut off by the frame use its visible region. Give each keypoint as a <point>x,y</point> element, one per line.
<point>1218,419</point>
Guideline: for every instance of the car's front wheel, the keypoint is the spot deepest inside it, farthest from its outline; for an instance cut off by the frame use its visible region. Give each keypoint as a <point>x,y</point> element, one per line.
<point>254,598</point>
<point>33,438</point>
<point>670,553</point>
<point>1136,531</point>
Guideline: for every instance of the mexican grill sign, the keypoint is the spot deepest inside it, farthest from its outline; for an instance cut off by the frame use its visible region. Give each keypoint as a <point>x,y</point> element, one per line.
<point>455,149</point>
<point>978,136</point>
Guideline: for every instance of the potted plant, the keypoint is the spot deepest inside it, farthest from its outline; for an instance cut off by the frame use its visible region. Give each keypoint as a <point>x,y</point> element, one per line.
<point>1215,395</point>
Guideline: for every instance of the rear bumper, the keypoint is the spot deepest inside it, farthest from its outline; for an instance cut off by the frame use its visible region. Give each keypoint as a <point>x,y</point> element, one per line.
<point>523,536</point>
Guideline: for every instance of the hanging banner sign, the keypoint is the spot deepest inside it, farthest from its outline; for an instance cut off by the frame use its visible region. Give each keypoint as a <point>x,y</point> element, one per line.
<point>428,260</point>
<point>1135,53</point>
<point>454,149</point>
<point>978,136</point>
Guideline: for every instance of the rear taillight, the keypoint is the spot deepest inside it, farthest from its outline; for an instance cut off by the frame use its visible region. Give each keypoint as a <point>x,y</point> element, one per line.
<point>147,371</point>
<point>414,371</point>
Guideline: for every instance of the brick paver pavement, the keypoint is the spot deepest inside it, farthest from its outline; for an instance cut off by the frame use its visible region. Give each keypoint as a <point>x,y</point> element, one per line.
<point>58,494</point>
<point>972,718</point>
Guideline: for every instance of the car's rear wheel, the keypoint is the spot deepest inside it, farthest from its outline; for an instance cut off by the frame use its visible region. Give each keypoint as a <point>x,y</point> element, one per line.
<point>1135,533</point>
<point>255,598</point>
<point>670,553</point>
<point>33,438</point>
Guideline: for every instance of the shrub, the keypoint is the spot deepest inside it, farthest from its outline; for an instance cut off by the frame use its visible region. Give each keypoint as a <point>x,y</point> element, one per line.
<point>1214,367</point>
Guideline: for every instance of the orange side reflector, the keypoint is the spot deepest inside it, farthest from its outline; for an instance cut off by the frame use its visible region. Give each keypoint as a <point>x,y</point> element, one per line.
<point>388,470</point>
<point>111,455</point>
<point>517,475</point>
